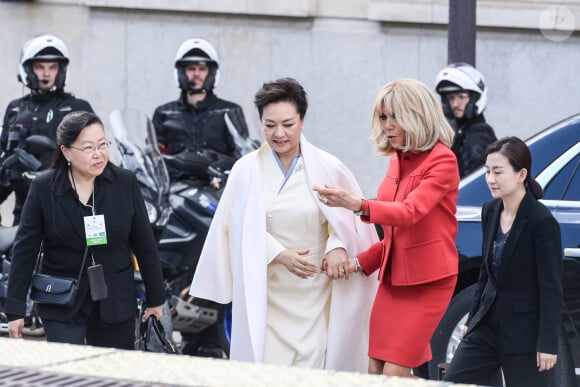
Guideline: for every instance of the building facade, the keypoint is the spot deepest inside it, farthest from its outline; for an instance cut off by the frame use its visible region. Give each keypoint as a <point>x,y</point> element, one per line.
<point>342,51</point>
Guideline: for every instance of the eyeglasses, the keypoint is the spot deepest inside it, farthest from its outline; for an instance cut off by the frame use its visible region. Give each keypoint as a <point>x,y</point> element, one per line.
<point>92,149</point>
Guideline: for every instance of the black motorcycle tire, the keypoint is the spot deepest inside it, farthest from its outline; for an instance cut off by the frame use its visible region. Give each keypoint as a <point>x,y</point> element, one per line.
<point>563,374</point>
<point>197,344</point>
<point>222,337</point>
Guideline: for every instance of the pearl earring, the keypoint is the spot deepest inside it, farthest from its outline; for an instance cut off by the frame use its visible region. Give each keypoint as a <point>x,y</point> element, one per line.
<point>68,163</point>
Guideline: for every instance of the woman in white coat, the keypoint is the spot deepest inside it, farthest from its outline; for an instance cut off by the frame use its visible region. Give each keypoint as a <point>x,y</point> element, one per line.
<point>273,249</point>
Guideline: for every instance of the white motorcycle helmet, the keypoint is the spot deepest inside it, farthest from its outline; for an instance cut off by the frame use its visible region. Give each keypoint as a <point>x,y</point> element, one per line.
<point>459,77</point>
<point>47,48</point>
<point>195,51</point>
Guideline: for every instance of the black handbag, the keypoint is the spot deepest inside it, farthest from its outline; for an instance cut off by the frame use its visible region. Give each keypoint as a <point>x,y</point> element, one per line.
<point>152,337</point>
<point>49,289</point>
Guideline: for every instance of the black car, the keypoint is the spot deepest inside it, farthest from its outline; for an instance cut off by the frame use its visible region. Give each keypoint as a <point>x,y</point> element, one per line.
<point>555,163</point>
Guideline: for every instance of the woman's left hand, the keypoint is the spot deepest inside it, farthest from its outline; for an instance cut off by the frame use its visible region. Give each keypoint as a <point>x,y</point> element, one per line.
<point>546,361</point>
<point>156,311</point>
<point>337,197</point>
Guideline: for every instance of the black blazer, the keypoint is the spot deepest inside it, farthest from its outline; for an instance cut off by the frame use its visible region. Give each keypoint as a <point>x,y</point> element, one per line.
<point>52,215</point>
<point>528,294</point>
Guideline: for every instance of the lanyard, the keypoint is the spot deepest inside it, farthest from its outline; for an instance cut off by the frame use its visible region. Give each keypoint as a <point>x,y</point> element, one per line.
<point>92,207</point>
<point>290,170</point>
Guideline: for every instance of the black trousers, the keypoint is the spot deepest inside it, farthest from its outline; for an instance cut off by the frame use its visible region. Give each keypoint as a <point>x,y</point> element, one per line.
<point>479,358</point>
<point>90,329</point>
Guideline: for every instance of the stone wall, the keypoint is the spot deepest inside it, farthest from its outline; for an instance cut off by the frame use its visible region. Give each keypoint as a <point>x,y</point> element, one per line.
<point>122,54</point>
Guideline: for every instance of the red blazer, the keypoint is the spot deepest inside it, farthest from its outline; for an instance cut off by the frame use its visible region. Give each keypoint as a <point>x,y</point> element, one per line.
<point>416,205</point>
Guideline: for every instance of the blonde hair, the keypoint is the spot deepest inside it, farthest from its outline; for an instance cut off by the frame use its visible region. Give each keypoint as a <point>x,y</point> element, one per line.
<point>417,111</point>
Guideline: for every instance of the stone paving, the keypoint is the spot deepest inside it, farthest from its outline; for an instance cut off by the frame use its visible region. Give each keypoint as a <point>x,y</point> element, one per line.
<point>113,367</point>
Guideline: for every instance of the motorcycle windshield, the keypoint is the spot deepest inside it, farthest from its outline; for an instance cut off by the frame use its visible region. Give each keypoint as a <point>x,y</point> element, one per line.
<point>136,149</point>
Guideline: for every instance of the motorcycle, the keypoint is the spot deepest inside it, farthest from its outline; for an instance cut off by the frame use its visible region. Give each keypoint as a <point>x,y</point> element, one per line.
<point>7,235</point>
<point>198,179</point>
<point>24,166</point>
<point>194,198</point>
<point>141,155</point>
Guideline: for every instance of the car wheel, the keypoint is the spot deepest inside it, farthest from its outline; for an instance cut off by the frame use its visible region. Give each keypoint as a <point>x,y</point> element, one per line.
<point>564,374</point>
<point>447,336</point>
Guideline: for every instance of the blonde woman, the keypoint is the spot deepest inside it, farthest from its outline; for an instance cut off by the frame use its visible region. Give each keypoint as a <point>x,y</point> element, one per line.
<point>415,205</point>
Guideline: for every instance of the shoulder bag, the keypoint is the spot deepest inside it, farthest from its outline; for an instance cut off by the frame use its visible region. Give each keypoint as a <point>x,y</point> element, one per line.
<point>54,290</point>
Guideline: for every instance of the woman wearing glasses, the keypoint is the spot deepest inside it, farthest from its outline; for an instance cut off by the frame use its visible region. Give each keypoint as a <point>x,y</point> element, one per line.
<point>85,207</point>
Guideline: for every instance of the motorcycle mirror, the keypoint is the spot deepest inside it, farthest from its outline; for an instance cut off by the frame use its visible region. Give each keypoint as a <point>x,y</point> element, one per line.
<point>39,143</point>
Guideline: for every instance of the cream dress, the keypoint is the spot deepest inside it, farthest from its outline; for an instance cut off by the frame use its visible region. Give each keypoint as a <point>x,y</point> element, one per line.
<point>233,265</point>
<point>298,309</point>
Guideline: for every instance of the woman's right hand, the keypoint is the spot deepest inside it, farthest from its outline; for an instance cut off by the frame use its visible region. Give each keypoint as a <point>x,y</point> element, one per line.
<point>337,197</point>
<point>15,328</point>
<point>295,263</point>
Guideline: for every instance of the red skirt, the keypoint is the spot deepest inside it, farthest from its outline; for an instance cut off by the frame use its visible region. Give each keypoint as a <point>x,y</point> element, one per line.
<point>404,318</point>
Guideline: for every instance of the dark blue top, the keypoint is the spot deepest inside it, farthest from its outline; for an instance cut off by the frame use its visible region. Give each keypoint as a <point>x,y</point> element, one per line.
<point>498,245</point>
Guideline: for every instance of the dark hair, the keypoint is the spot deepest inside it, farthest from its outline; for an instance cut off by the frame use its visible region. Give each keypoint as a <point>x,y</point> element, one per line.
<point>519,157</point>
<point>282,90</point>
<point>67,132</point>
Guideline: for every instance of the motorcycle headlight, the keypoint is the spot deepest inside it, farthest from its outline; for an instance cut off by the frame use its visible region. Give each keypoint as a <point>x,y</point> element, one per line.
<point>151,212</point>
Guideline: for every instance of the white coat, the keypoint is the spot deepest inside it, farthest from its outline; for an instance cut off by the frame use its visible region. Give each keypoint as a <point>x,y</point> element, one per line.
<point>233,263</point>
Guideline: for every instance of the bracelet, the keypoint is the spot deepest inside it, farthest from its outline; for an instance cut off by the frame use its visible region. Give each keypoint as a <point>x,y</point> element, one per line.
<point>357,265</point>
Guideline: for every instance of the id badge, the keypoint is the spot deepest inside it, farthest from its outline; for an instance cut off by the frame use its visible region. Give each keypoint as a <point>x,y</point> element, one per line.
<point>95,230</point>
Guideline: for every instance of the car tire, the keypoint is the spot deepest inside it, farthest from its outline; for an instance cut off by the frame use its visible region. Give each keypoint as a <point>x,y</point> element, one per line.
<point>456,311</point>
<point>563,374</point>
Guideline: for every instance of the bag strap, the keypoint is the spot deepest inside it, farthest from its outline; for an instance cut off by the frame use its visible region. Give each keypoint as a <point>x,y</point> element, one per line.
<point>39,262</point>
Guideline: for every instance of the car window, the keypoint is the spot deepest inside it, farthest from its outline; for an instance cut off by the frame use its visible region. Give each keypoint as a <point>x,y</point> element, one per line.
<point>566,184</point>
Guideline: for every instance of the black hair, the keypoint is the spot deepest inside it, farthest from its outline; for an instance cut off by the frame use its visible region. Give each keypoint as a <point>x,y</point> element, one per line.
<point>519,157</point>
<point>282,90</point>
<point>68,131</point>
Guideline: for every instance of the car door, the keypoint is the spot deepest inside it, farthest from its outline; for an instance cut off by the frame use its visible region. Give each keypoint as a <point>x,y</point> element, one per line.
<point>561,182</point>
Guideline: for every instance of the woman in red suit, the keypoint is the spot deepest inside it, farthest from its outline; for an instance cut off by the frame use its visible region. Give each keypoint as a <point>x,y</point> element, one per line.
<point>417,259</point>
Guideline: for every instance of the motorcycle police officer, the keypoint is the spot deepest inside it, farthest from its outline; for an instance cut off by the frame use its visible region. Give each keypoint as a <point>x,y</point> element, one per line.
<point>464,98</point>
<point>197,120</point>
<point>201,126</point>
<point>43,69</point>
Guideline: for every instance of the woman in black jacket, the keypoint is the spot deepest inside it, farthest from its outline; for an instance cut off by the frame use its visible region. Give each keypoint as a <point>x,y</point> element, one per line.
<point>517,308</point>
<point>81,196</point>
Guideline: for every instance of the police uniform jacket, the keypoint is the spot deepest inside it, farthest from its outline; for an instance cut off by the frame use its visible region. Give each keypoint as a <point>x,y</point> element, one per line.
<point>37,114</point>
<point>180,126</point>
